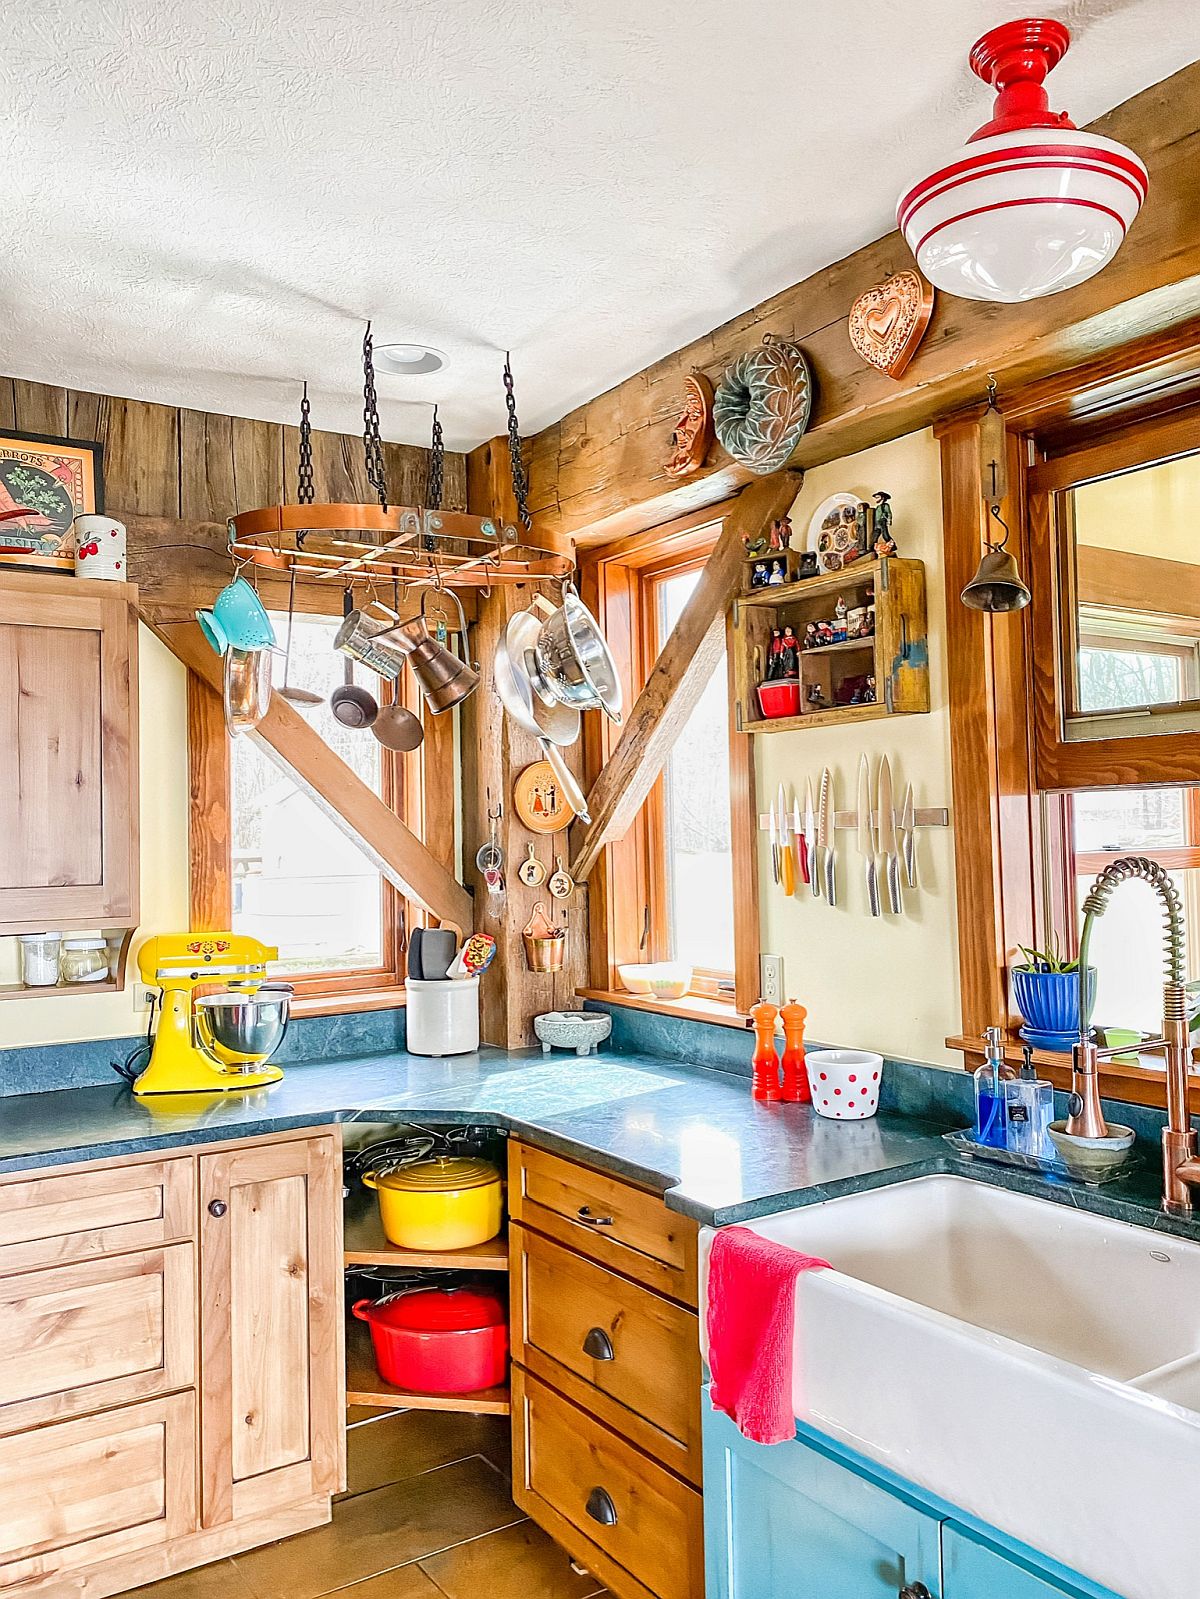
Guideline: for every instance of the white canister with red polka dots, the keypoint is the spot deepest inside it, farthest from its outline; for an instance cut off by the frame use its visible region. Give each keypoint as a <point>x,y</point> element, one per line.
<point>100,547</point>
<point>845,1083</point>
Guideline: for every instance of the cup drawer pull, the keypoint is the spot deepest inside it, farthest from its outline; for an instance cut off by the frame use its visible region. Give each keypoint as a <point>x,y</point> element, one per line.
<point>585,1213</point>
<point>601,1508</point>
<point>598,1345</point>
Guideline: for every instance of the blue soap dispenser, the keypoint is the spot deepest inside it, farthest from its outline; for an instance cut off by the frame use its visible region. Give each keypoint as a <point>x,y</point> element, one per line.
<point>991,1105</point>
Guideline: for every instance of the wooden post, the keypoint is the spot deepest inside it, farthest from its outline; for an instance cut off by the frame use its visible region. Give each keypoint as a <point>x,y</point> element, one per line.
<point>494,751</point>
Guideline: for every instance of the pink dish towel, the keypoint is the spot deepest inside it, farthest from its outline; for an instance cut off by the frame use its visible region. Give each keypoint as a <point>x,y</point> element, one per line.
<point>751,1296</point>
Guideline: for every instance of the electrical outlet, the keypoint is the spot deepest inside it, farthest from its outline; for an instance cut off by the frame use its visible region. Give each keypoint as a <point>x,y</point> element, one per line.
<point>143,996</point>
<point>771,976</point>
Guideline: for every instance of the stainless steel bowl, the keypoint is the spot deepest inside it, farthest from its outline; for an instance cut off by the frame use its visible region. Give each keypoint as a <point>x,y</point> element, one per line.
<point>242,1029</point>
<point>573,661</point>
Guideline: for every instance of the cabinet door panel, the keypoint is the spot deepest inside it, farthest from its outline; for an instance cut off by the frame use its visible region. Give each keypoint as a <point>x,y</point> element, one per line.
<point>74,1338</point>
<point>68,726</point>
<point>972,1569</point>
<point>55,1217</point>
<point>788,1519</point>
<point>271,1330</point>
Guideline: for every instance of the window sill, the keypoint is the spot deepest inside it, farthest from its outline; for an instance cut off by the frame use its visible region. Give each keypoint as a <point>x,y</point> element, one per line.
<point>1143,1084</point>
<point>346,1004</point>
<point>695,1007</point>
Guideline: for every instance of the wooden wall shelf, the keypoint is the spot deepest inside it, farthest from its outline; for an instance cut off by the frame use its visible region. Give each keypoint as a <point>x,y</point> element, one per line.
<point>364,1385</point>
<point>110,985</point>
<point>896,654</point>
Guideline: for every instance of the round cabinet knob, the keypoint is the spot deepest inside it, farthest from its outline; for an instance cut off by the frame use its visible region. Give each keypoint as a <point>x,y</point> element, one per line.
<point>217,1207</point>
<point>601,1508</point>
<point>914,1590</point>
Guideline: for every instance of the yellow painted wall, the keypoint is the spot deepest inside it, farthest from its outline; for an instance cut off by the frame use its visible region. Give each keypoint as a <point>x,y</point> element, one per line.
<point>891,983</point>
<point>1153,512</point>
<point>162,696</point>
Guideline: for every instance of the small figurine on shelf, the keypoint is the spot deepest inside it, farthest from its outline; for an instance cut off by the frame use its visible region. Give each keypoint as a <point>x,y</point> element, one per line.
<point>789,654</point>
<point>778,574</point>
<point>884,544</point>
<point>839,620</point>
<point>764,1063</point>
<point>806,563</point>
<point>810,635</point>
<point>824,633</point>
<point>781,533</point>
<point>755,546</point>
<point>862,525</point>
<point>869,692</point>
<point>758,575</point>
<point>774,656</point>
<point>816,697</point>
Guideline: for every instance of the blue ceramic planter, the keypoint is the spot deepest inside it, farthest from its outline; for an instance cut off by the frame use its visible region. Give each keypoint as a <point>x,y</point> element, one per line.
<point>1049,1002</point>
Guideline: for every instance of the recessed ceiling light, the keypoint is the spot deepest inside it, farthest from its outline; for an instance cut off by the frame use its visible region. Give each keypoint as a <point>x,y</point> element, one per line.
<point>409,360</point>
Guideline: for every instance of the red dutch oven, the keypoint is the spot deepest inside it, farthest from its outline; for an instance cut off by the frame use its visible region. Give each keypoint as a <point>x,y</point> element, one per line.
<point>439,1340</point>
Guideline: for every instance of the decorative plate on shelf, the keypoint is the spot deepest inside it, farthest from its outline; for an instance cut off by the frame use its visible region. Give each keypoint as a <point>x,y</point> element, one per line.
<point>834,532</point>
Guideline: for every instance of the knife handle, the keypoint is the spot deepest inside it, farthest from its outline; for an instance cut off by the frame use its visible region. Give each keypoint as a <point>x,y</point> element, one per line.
<point>895,898</point>
<point>802,857</point>
<point>910,859</point>
<point>872,874</point>
<point>831,875</point>
<point>787,869</point>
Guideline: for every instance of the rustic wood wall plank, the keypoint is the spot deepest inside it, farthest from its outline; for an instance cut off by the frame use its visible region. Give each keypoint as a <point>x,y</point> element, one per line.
<point>38,408</point>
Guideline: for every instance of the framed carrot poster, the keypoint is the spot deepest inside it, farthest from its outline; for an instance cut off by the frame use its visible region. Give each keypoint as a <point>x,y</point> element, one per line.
<point>45,484</point>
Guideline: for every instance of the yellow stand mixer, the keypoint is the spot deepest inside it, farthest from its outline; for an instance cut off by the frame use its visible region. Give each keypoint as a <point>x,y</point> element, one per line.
<point>219,1042</point>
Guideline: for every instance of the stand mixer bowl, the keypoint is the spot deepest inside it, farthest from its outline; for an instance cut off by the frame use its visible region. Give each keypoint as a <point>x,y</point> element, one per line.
<point>242,1028</point>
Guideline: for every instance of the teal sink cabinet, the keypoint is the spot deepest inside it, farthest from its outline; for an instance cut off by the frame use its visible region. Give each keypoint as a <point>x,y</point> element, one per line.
<point>809,1519</point>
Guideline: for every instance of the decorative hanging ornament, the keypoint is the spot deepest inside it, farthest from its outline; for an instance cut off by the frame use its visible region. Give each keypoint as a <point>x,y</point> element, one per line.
<point>762,406</point>
<point>888,322</point>
<point>1032,205</point>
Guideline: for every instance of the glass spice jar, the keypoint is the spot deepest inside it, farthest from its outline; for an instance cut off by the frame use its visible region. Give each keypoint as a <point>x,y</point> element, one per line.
<point>84,960</point>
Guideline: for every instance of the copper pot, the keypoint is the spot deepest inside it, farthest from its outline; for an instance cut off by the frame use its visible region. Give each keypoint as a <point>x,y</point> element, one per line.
<point>444,680</point>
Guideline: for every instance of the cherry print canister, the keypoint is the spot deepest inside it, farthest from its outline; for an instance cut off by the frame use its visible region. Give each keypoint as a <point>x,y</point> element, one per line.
<point>100,547</point>
<point>845,1083</point>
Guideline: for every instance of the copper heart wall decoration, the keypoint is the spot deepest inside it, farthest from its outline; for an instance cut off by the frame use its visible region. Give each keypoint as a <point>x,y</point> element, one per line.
<point>888,322</point>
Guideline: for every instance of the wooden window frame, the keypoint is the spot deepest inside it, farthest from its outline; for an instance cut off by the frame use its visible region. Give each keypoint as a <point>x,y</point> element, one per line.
<point>628,898</point>
<point>414,785</point>
<point>1011,773</point>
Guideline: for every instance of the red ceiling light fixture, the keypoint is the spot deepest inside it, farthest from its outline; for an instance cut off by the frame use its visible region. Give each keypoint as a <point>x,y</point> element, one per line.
<point>1032,205</point>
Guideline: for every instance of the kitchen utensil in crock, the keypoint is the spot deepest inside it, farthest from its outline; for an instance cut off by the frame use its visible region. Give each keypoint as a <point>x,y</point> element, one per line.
<point>300,697</point>
<point>247,688</point>
<point>448,1202</point>
<point>438,949</point>
<point>439,1340</point>
<point>570,662</point>
<point>476,955</point>
<point>415,939</point>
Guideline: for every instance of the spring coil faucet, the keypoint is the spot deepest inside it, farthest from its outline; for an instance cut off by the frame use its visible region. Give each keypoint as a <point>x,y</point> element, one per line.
<point>1181,1168</point>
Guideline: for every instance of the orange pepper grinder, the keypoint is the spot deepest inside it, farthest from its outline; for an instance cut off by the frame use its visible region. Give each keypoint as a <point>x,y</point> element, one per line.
<point>796,1090</point>
<point>764,1064</point>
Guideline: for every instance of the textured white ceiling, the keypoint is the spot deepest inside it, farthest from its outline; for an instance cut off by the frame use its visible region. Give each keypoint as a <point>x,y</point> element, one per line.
<point>205,198</point>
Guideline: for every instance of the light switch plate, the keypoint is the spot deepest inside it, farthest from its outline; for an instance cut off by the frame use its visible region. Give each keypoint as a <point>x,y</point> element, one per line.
<point>770,969</point>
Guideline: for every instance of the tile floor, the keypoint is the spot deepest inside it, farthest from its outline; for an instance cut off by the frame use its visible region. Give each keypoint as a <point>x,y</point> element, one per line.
<point>427,1514</point>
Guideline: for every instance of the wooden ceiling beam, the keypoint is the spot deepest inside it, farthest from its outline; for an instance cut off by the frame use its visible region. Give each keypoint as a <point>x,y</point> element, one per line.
<point>599,474</point>
<point>318,771</point>
<point>679,675</point>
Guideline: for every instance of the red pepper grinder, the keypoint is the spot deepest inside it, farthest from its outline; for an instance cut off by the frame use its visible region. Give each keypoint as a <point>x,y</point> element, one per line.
<point>764,1074</point>
<point>797,1090</point>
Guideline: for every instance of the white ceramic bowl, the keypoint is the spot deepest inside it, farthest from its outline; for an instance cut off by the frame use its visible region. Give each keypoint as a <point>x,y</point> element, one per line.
<point>663,979</point>
<point>845,1083</point>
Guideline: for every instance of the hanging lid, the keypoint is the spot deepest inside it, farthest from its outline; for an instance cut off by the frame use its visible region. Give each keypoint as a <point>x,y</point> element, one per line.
<point>443,1174</point>
<point>440,1310</point>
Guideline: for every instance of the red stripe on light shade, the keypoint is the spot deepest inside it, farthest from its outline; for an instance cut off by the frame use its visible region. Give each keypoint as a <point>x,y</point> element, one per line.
<point>1001,205</point>
<point>1019,166</point>
<point>1061,154</point>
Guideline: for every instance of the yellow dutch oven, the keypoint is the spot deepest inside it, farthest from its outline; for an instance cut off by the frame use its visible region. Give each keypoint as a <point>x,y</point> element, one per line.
<point>450,1202</point>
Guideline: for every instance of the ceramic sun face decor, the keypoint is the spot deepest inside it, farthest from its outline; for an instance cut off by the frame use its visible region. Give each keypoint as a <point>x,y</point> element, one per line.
<point>762,406</point>
<point>693,432</point>
<point>888,322</point>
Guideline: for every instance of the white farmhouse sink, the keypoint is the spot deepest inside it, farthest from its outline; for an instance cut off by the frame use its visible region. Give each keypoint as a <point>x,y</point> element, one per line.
<point>1035,1365</point>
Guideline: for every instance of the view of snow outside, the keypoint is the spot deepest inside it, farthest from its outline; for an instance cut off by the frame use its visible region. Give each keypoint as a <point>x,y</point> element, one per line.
<point>298,881</point>
<point>696,782</point>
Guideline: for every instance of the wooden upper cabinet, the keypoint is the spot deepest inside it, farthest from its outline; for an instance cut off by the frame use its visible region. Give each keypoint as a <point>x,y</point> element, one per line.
<point>272,1362</point>
<point>68,732</point>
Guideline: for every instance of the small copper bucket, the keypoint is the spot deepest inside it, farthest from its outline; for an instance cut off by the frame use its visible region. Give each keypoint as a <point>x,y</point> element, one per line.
<point>545,954</point>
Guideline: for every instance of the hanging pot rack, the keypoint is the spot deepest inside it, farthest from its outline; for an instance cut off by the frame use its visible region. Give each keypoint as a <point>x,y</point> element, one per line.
<point>416,546</point>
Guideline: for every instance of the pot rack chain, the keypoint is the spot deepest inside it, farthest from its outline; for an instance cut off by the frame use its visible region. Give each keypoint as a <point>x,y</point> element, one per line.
<point>372,444</point>
<point>520,479</point>
<point>437,466</point>
<point>304,469</point>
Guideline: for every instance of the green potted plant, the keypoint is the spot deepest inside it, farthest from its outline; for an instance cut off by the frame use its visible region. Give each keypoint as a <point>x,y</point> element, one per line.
<point>1046,988</point>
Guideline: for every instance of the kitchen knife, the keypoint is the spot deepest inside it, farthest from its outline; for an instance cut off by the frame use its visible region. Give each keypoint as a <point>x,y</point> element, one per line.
<point>774,845</point>
<point>825,843</point>
<point>866,837</point>
<point>908,837</point>
<point>810,841</point>
<point>887,840</point>
<point>801,848</point>
<point>787,861</point>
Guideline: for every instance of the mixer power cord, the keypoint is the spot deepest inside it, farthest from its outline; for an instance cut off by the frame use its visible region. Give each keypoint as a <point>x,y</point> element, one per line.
<point>128,1068</point>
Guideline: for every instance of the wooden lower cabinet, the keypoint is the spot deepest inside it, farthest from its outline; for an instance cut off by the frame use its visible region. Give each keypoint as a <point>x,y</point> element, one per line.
<point>606,1375</point>
<point>163,1406</point>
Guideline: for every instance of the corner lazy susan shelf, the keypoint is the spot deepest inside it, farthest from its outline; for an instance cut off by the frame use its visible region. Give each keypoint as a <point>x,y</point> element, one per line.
<point>896,654</point>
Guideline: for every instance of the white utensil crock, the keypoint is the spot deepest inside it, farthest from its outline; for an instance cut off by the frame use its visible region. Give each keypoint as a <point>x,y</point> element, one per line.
<point>100,547</point>
<point>442,1018</point>
<point>845,1083</point>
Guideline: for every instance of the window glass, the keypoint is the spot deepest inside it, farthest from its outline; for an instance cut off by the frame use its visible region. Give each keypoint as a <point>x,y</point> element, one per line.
<point>298,881</point>
<point>1127,941</point>
<point>698,856</point>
